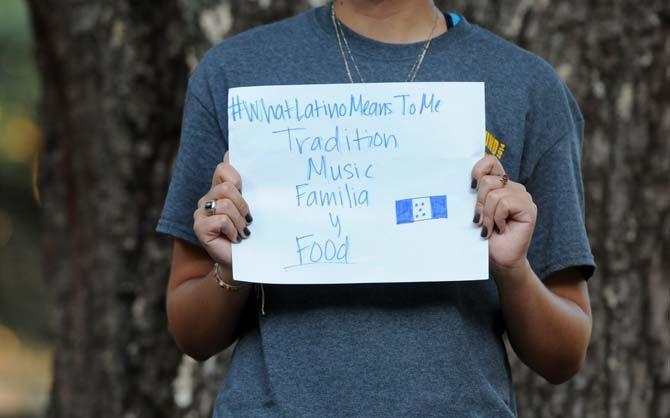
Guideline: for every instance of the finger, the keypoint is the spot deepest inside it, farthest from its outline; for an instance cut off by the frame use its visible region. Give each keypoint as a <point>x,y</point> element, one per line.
<point>228,190</point>
<point>488,184</point>
<point>495,217</point>
<point>226,206</point>
<point>225,172</point>
<point>485,185</point>
<point>488,165</point>
<point>514,205</point>
<point>500,215</point>
<point>209,228</point>
<point>492,200</point>
<point>212,227</point>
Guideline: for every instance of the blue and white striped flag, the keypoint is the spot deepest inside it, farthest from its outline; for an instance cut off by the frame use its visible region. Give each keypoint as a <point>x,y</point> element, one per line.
<point>420,209</point>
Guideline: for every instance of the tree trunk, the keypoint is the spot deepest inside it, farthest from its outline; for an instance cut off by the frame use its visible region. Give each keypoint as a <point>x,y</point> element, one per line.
<point>615,57</point>
<point>113,78</point>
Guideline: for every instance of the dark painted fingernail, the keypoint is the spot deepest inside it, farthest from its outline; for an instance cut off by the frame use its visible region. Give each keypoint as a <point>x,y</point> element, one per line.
<point>473,185</point>
<point>249,218</point>
<point>496,229</point>
<point>246,231</point>
<point>476,218</point>
<point>485,232</point>
<point>239,239</point>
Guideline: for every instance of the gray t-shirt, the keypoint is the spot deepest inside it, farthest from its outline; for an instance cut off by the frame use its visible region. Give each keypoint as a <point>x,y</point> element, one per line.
<point>419,349</point>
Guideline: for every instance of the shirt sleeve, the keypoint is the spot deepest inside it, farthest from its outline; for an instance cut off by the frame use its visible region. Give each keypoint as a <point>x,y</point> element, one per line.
<point>202,146</point>
<point>555,183</point>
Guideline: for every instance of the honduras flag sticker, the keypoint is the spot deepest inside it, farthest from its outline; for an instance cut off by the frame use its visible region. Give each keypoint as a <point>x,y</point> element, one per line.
<point>420,209</point>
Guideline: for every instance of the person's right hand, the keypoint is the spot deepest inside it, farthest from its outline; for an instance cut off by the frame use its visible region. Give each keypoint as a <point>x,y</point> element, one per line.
<point>230,222</point>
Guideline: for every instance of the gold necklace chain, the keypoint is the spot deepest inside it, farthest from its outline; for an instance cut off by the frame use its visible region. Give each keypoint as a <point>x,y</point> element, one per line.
<point>339,32</point>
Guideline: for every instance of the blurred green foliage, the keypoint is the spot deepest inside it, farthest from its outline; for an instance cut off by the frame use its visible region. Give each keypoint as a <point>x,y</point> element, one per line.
<point>25,348</point>
<point>19,89</point>
<point>23,306</point>
<point>18,75</point>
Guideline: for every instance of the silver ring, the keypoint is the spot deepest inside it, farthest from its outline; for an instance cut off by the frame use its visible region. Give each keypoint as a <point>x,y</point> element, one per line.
<point>210,207</point>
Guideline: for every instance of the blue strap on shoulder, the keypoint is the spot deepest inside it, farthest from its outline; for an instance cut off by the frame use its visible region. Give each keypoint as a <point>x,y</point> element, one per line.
<point>453,19</point>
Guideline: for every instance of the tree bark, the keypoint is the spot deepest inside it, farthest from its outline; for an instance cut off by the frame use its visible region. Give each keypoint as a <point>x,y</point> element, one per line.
<point>615,57</point>
<point>113,79</point>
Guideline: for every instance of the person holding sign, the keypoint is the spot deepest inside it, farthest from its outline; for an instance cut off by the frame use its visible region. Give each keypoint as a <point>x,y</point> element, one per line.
<point>386,349</point>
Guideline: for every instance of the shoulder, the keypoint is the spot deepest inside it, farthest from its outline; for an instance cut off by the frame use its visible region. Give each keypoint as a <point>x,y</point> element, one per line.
<point>260,43</point>
<point>258,50</point>
<point>548,99</point>
<point>517,64</point>
<point>535,91</point>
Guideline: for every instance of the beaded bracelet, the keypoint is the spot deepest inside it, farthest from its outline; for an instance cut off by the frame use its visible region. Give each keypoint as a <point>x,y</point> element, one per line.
<point>222,283</point>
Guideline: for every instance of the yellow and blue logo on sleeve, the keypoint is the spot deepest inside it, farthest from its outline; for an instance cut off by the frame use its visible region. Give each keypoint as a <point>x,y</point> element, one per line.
<point>420,209</point>
<point>494,145</point>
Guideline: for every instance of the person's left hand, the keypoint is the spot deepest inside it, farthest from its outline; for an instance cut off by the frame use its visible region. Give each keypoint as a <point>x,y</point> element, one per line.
<point>506,213</point>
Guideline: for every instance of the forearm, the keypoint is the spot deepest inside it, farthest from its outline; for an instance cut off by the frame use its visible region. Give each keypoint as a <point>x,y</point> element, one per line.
<point>203,317</point>
<point>549,333</point>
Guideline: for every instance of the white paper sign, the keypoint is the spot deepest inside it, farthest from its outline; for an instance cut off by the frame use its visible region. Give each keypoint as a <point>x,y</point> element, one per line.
<point>358,183</point>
